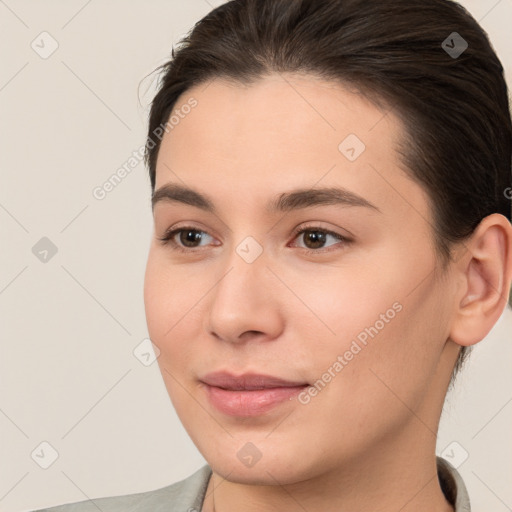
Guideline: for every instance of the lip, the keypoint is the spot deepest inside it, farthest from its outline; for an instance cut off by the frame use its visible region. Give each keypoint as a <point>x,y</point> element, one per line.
<point>249,394</point>
<point>247,381</point>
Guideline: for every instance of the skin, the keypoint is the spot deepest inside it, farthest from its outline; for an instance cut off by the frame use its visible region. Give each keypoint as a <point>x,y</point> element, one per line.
<point>367,440</point>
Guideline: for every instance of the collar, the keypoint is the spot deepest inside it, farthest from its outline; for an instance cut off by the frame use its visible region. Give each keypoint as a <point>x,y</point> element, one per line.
<point>453,486</point>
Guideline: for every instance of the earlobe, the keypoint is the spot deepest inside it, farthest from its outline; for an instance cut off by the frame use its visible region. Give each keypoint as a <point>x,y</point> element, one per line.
<point>486,274</point>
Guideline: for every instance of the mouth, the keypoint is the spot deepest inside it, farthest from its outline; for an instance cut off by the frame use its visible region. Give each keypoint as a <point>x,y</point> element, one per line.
<point>248,381</point>
<point>249,394</point>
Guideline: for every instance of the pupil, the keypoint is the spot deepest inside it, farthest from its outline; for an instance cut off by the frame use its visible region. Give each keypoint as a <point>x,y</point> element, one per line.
<point>316,237</point>
<point>189,237</point>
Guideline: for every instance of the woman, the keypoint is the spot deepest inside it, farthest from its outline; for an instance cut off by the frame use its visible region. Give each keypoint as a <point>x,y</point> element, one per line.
<point>332,236</point>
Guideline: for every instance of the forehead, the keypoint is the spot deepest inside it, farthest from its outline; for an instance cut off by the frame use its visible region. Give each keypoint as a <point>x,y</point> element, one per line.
<point>284,131</point>
<point>291,111</point>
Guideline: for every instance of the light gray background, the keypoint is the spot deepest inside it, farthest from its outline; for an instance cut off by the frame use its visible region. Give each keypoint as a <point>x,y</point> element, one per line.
<point>68,328</point>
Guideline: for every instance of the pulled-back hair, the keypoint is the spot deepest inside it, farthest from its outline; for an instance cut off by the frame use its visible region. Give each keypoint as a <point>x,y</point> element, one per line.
<point>454,108</point>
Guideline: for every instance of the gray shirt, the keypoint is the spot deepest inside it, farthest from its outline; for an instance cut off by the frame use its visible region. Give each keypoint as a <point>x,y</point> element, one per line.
<point>188,495</point>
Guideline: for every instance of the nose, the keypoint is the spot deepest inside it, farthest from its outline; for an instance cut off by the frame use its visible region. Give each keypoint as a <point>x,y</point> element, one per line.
<point>244,304</point>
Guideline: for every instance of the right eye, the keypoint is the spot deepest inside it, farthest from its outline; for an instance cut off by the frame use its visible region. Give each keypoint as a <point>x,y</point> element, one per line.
<point>188,236</point>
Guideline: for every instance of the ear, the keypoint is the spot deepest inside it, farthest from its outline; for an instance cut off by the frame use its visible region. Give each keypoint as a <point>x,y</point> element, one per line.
<point>484,278</point>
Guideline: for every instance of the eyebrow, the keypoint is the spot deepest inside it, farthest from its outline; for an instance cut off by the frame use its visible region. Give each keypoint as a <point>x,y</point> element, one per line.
<point>294,200</point>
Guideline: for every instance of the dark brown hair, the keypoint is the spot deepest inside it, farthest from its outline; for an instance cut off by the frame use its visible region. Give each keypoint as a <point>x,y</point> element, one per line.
<point>454,108</point>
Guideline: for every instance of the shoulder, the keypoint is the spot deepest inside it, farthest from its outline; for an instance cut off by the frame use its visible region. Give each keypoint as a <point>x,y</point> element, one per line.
<point>182,496</point>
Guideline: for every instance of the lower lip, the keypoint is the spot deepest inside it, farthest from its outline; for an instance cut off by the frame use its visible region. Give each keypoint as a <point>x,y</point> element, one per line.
<point>250,403</point>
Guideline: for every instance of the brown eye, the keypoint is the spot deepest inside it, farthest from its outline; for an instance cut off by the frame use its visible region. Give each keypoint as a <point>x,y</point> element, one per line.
<point>188,238</point>
<point>315,238</point>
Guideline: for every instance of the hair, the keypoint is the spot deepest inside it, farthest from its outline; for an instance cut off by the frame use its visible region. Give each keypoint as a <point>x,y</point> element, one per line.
<point>455,109</point>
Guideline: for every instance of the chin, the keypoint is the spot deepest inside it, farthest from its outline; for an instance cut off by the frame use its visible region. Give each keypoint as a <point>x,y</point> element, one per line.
<point>262,473</point>
<point>254,460</point>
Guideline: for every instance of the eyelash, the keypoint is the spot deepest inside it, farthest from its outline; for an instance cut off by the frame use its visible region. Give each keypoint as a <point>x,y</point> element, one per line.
<point>169,235</point>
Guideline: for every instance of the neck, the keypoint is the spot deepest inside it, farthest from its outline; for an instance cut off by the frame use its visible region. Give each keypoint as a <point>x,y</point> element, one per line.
<point>395,477</point>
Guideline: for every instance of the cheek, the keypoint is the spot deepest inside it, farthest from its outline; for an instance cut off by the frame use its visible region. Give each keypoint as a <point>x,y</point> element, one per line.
<point>397,364</point>
<point>163,301</point>
<point>155,298</point>
<point>381,370</point>
<point>165,305</point>
<point>172,300</point>
<point>353,304</point>
<point>384,320</point>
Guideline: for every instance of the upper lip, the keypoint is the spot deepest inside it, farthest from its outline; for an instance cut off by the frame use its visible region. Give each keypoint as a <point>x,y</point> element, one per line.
<point>247,381</point>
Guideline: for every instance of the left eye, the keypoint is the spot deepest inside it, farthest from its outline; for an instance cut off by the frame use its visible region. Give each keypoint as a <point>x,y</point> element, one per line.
<point>317,237</point>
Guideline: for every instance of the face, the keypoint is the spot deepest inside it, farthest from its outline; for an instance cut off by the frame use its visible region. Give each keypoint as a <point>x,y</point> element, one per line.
<point>334,294</point>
